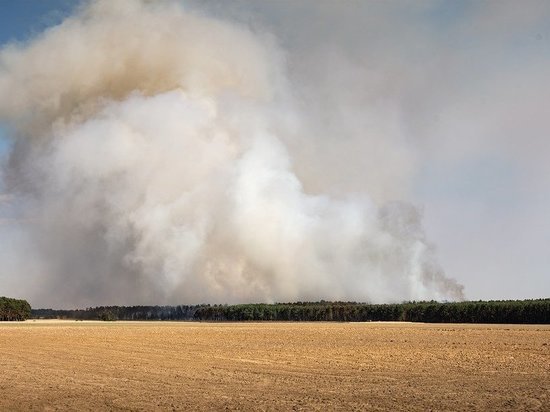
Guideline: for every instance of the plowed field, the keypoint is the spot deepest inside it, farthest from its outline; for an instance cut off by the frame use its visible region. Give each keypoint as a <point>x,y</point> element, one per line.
<point>69,365</point>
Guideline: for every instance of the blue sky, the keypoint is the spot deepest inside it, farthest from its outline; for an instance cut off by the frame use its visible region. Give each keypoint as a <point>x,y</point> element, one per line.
<point>22,19</point>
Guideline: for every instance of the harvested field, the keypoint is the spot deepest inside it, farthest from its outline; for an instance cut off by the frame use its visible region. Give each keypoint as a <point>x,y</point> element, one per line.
<point>68,365</point>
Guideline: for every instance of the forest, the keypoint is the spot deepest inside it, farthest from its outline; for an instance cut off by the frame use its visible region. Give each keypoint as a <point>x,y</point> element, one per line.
<point>505,311</point>
<point>14,309</point>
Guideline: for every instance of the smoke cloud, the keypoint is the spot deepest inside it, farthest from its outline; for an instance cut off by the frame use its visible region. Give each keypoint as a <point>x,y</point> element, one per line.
<point>164,156</point>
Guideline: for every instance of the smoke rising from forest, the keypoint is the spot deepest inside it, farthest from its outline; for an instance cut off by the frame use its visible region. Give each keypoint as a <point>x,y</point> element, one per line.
<point>164,156</point>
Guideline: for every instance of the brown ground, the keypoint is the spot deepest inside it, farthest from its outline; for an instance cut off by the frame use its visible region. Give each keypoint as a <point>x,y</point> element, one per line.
<point>68,365</point>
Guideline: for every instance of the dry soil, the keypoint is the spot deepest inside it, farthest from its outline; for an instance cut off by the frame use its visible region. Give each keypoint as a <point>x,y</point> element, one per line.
<point>70,365</point>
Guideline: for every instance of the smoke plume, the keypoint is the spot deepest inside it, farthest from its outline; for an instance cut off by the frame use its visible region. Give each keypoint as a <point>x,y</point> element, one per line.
<point>164,156</point>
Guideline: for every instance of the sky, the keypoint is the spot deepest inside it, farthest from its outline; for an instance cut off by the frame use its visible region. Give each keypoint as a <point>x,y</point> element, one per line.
<point>22,20</point>
<point>442,104</point>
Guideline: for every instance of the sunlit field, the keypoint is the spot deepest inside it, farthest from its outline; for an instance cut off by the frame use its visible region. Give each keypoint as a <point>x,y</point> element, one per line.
<point>74,365</point>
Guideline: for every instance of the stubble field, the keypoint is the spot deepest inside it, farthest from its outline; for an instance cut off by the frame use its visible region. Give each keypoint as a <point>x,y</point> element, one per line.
<point>68,365</point>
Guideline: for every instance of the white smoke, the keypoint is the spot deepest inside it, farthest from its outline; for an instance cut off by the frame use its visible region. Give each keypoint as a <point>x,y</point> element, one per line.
<point>162,156</point>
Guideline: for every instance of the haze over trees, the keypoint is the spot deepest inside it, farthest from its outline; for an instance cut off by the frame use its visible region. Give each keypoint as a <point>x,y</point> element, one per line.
<point>14,309</point>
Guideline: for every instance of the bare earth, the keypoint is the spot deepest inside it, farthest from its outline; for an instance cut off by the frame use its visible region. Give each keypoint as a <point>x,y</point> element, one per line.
<point>69,365</point>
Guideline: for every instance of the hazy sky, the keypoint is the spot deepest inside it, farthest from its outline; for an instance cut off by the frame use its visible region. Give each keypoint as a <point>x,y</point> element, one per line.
<point>464,85</point>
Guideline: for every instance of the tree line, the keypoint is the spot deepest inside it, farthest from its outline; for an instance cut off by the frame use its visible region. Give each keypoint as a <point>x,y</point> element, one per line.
<point>14,309</point>
<point>180,312</point>
<point>509,311</point>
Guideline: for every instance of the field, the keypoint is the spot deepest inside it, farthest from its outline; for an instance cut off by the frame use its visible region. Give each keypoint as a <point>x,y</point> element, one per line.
<point>70,365</point>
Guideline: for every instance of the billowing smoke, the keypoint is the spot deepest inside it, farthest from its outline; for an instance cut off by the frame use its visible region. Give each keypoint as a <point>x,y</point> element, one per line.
<point>163,156</point>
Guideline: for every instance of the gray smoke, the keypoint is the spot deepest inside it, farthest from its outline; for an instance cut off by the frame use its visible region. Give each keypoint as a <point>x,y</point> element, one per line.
<point>164,156</point>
